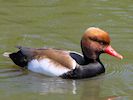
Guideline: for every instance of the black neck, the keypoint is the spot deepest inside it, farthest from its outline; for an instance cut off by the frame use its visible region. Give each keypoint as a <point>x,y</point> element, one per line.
<point>91,60</point>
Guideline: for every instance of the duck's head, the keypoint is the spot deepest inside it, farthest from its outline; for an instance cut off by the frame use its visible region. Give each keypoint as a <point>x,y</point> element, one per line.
<point>96,41</point>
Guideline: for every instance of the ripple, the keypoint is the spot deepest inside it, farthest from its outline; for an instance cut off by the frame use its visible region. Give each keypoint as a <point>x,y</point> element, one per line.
<point>11,73</point>
<point>118,79</point>
<point>117,70</point>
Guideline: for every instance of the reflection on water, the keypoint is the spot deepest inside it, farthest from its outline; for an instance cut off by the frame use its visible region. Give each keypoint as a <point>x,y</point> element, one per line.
<point>10,73</point>
<point>58,86</point>
<point>21,82</point>
<point>60,24</point>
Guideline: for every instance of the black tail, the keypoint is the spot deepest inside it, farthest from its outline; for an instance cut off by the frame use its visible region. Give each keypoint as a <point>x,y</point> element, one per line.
<point>19,59</point>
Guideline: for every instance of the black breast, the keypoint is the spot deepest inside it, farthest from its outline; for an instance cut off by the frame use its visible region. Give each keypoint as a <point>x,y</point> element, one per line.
<point>86,71</point>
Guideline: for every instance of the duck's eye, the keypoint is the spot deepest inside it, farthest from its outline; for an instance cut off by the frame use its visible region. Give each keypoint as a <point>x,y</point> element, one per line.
<point>98,40</point>
<point>102,43</point>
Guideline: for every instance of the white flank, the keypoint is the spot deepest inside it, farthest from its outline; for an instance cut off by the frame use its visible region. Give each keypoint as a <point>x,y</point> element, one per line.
<point>6,54</point>
<point>46,67</point>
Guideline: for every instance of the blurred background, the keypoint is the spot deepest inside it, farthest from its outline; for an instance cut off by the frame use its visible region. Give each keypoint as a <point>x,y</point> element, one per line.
<point>60,24</point>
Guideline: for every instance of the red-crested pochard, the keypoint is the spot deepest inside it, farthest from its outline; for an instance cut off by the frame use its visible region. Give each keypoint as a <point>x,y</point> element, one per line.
<point>68,64</point>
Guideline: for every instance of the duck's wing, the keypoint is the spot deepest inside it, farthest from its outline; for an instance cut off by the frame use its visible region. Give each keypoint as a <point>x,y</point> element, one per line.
<point>59,58</point>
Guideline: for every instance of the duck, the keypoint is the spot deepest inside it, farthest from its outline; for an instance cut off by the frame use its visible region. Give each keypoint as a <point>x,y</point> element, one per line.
<point>64,63</point>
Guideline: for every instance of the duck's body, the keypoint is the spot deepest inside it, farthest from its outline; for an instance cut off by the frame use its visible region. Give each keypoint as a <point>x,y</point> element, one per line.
<point>68,64</point>
<point>53,62</point>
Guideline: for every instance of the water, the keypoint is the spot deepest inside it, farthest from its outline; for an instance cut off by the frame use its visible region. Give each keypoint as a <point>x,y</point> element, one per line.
<point>60,24</point>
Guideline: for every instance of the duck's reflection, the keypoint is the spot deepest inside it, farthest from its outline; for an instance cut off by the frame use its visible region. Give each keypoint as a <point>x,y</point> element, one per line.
<point>11,73</point>
<point>58,86</point>
<point>74,87</point>
<point>45,85</point>
<point>42,85</point>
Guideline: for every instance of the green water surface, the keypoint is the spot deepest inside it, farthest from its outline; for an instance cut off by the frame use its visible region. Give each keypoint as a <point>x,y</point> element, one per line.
<point>60,24</point>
